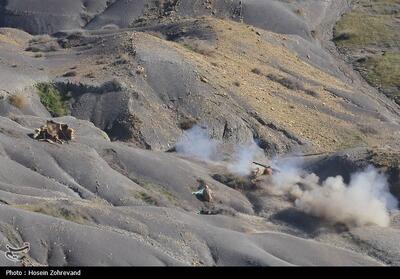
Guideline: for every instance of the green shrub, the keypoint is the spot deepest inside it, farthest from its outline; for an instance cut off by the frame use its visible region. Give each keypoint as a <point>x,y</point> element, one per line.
<point>370,35</point>
<point>384,70</point>
<point>51,98</point>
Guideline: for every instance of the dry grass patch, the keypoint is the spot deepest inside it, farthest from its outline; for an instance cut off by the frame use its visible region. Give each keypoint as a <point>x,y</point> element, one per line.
<point>18,101</point>
<point>68,213</point>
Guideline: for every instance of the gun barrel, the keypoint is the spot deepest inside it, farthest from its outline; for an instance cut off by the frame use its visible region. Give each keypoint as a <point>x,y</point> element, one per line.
<point>262,165</point>
<point>267,167</point>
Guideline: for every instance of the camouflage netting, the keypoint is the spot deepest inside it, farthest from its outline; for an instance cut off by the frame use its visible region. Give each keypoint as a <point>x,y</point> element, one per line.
<point>54,132</point>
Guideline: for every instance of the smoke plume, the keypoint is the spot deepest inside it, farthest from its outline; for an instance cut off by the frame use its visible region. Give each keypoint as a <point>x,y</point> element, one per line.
<point>196,143</point>
<point>366,200</point>
<point>244,157</point>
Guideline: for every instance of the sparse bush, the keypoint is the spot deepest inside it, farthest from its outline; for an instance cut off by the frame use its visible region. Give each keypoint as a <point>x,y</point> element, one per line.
<point>343,36</point>
<point>198,47</point>
<point>311,93</point>
<point>256,71</point>
<point>33,49</point>
<point>146,198</point>
<point>64,43</point>
<point>292,84</point>
<point>159,3</point>
<point>367,129</point>
<point>75,36</point>
<point>123,59</point>
<point>70,74</point>
<point>235,182</point>
<point>384,71</point>
<point>90,75</point>
<point>43,48</point>
<point>237,83</point>
<point>314,33</point>
<point>18,101</point>
<point>371,29</point>
<point>286,82</point>
<point>157,189</point>
<point>86,17</point>
<point>52,47</point>
<point>61,212</point>
<point>187,123</point>
<point>300,12</point>
<point>113,85</point>
<point>51,98</point>
<point>41,39</point>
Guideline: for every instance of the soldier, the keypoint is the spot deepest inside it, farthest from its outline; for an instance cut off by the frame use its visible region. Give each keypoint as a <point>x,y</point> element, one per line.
<point>259,170</point>
<point>204,192</point>
<point>205,195</point>
<point>268,171</point>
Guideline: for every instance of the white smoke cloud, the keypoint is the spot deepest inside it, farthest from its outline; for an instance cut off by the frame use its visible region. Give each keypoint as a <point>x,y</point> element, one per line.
<point>196,143</point>
<point>288,176</point>
<point>366,200</point>
<point>243,158</point>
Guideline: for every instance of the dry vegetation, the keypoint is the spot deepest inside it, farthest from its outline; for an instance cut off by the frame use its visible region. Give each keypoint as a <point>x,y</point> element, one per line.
<point>68,212</point>
<point>370,35</point>
<point>278,98</point>
<point>18,101</point>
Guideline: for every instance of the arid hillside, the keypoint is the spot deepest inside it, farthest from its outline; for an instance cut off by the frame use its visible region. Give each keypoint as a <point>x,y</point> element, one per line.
<point>368,35</point>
